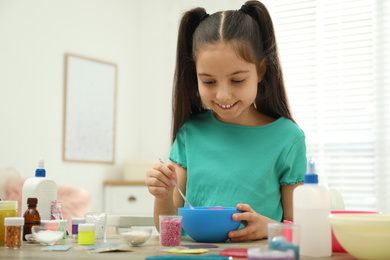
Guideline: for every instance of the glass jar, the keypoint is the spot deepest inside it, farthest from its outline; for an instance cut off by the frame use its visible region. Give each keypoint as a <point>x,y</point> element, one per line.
<point>13,232</point>
<point>8,208</point>
<point>170,230</point>
<point>100,221</point>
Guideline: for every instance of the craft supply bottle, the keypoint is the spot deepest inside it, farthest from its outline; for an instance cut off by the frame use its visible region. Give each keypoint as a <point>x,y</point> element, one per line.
<point>75,226</point>
<point>42,188</point>
<point>31,217</point>
<point>56,211</point>
<point>311,208</point>
<point>13,232</point>
<point>86,234</point>
<point>8,208</point>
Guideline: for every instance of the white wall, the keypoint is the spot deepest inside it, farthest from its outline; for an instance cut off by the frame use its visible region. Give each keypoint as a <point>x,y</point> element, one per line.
<point>139,36</point>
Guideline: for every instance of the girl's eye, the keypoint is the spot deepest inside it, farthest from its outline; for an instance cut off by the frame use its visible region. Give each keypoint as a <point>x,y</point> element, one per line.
<point>208,82</point>
<point>238,81</point>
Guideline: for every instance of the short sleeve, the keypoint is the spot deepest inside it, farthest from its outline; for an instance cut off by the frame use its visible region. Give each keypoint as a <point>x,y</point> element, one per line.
<point>178,151</point>
<point>295,164</point>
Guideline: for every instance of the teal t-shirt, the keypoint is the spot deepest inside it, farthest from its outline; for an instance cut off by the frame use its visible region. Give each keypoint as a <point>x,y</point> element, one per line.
<point>229,164</point>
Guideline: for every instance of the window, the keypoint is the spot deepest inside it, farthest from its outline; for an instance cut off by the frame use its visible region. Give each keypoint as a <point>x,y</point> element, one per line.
<point>335,57</point>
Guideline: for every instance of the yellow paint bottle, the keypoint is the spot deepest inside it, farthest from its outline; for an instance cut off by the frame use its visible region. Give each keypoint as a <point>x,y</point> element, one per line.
<point>86,234</point>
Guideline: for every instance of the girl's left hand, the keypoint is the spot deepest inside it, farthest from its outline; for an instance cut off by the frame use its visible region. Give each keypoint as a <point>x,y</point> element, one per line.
<point>255,225</point>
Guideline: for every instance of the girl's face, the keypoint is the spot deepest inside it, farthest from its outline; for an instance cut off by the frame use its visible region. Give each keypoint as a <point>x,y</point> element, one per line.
<point>227,84</point>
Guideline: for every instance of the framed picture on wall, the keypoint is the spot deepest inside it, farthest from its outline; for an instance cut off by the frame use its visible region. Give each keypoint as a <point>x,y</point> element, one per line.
<point>89,110</point>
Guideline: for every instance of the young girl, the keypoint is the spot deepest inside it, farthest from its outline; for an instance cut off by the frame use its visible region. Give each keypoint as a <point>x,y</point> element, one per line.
<point>235,143</point>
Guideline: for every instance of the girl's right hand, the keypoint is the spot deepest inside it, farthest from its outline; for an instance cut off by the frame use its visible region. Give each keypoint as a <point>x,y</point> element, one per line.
<point>159,180</point>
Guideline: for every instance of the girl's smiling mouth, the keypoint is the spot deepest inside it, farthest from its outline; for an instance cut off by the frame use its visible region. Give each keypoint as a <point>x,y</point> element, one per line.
<point>227,106</point>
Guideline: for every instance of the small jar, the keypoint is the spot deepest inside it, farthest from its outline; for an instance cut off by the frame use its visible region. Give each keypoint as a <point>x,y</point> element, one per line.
<point>170,230</point>
<point>8,208</point>
<point>100,221</point>
<point>13,232</point>
<point>75,226</point>
<point>86,234</point>
<point>52,225</point>
<point>56,211</point>
<point>64,223</point>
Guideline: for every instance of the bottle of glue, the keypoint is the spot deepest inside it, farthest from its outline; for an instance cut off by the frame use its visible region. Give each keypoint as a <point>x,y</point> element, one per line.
<point>311,208</point>
<point>42,188</point>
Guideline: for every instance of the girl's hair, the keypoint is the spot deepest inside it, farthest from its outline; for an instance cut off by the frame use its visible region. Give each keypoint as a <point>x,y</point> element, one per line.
<point>250,31</point>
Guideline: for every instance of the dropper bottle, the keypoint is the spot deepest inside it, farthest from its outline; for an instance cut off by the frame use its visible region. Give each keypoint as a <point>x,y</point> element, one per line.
<point>311,208</point>
<point>31,217</point>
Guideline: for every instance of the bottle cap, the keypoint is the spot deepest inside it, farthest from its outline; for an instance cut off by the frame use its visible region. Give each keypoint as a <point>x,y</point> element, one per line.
<point>311,178</point>
<point>40,171</point>
<point>88,227</point>
<point>13,221</point>
<point>311,165</point>
<point>8,205</point>
<point>32,201</point>
<point>76,221</point>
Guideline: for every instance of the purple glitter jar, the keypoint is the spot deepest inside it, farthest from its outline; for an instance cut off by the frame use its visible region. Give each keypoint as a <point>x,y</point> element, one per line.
<point>75,225</point>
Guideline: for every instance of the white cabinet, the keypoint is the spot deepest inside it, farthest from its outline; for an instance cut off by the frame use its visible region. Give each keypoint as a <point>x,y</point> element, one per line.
<point>127,198</point>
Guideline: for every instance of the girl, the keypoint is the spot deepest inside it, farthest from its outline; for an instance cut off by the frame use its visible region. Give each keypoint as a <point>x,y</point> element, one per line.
<point>235,143</point>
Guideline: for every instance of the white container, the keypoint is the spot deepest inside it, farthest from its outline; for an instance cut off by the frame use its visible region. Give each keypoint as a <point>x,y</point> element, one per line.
<point>311,208</point>
<point>336,200</point>
<point>42,188</point>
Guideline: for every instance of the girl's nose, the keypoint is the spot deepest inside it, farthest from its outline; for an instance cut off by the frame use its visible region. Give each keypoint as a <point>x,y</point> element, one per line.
<point>223,93</point>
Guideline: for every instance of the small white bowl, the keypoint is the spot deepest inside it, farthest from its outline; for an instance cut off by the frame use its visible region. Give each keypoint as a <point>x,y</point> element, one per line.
<point>135,236</point>
<point>48,236</point>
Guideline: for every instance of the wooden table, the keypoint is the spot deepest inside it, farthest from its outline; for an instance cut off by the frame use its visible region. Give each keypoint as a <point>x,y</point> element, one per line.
<point>150,248</point>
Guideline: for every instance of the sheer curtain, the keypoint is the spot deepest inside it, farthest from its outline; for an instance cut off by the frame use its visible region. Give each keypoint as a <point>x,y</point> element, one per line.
<point>335,56</point>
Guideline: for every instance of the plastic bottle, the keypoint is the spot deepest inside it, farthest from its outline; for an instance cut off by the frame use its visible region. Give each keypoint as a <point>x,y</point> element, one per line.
<point>311,208</point>
<point>31,217</point>
<point>86,234</point>
<point>42,188</point>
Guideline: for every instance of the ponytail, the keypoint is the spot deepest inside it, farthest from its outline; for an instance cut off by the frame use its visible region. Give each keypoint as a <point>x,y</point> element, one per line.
<point>271,98</point>
<point>186,100</point>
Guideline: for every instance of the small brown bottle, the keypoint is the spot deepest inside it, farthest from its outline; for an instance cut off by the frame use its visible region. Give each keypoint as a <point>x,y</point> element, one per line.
<point>31,217</point>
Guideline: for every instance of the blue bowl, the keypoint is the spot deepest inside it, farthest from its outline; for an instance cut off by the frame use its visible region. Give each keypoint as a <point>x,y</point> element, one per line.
<point>209,224</point>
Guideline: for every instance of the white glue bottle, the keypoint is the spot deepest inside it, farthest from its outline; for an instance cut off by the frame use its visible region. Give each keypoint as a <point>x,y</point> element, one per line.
<point>311,208</point>
<point>42,188</point>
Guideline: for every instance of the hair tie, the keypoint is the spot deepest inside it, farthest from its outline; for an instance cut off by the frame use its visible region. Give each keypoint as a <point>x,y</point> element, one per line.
<point>204,16</point>
<point>245,9</point>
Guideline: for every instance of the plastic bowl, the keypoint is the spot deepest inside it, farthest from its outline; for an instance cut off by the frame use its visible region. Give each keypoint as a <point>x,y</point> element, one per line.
<point>48,236</point>
<point>364,236</point>
<point>135,236</point>
<point>209,224</point>
<point>336,247</point>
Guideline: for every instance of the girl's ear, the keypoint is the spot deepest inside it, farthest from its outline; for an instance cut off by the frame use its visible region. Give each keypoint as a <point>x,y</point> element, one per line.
<point>261,69</point>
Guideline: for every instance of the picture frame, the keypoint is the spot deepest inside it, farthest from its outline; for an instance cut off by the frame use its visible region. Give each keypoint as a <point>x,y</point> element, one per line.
<point>89,110</point>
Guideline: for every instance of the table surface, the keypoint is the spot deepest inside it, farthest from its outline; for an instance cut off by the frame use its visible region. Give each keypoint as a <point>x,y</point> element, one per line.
<point>150,248</point>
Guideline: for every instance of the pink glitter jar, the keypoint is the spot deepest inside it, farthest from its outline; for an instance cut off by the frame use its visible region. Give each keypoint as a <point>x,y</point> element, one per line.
<point>170,230</point>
